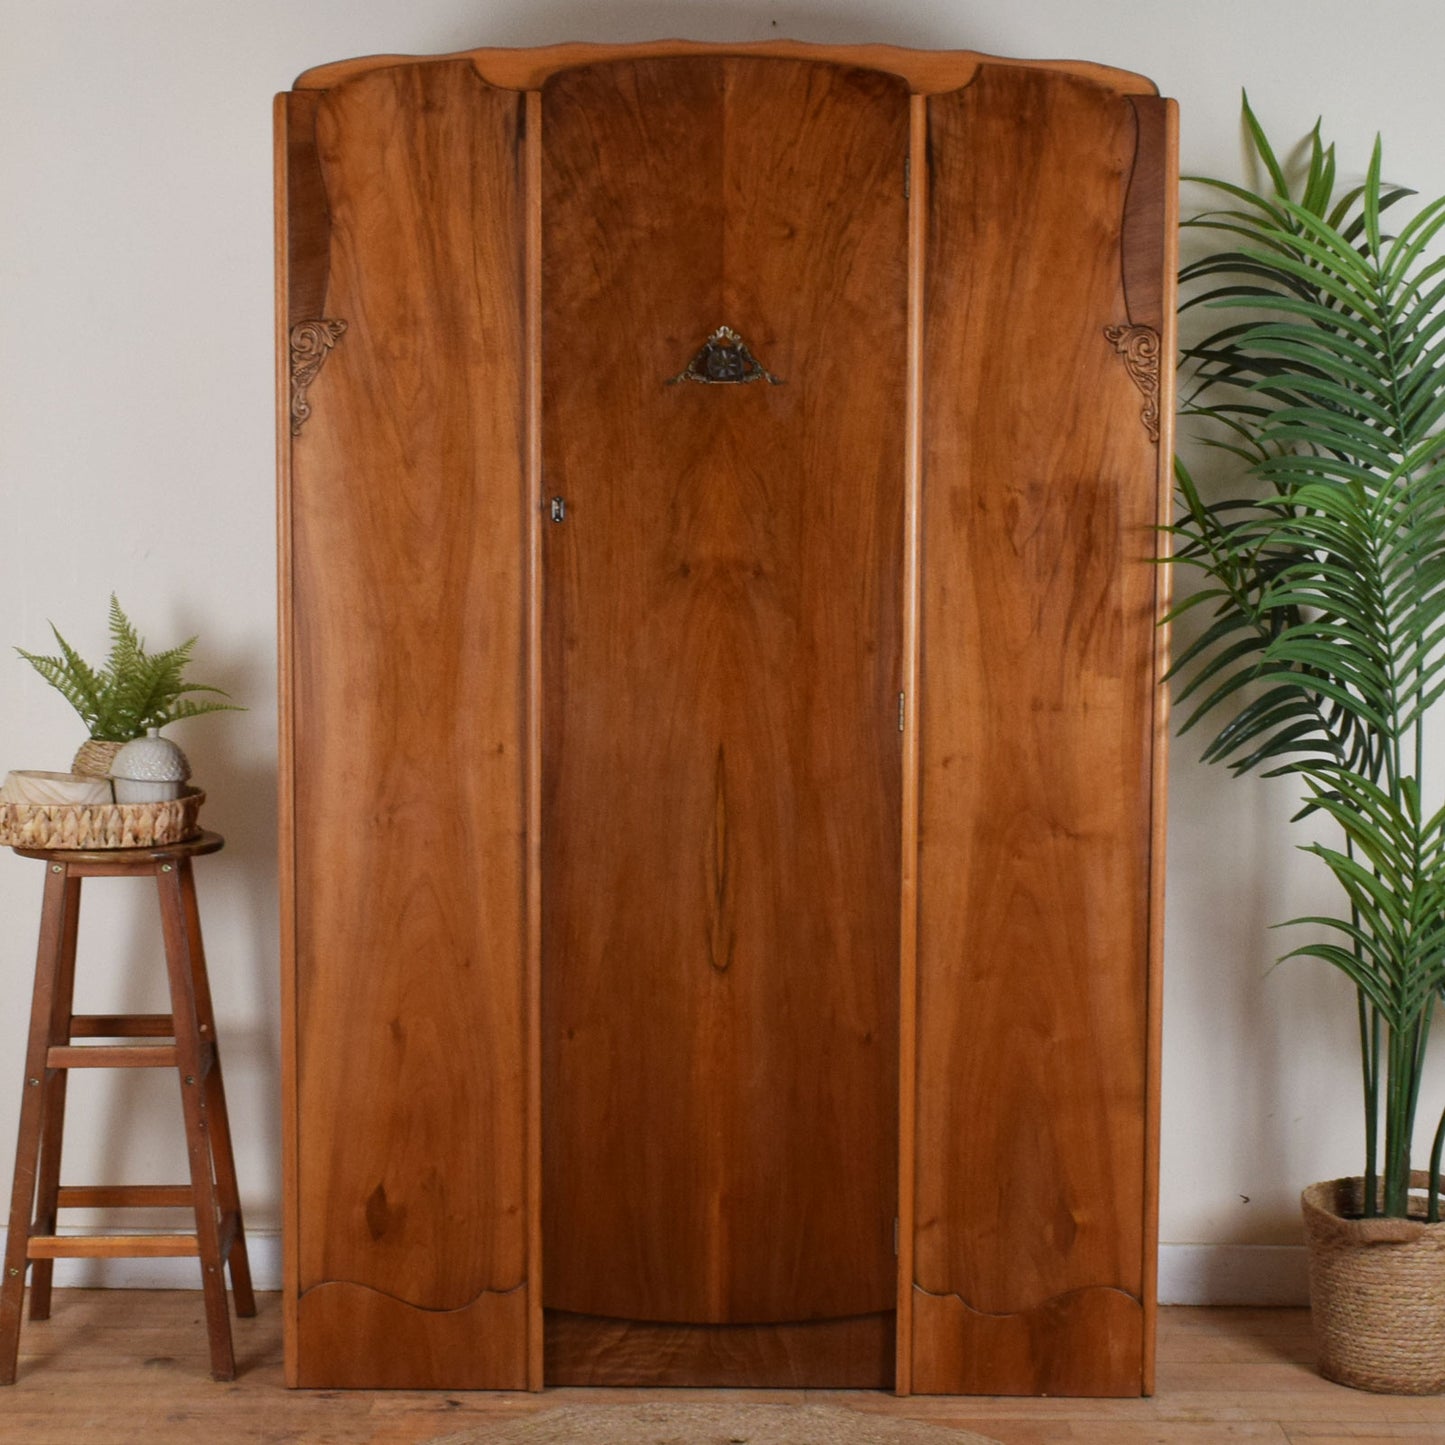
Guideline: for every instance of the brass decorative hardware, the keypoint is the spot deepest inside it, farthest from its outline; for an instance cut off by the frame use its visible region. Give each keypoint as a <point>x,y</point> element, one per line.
<point>724,360</point>
<point>1139,346</point>
<point>311,343</point>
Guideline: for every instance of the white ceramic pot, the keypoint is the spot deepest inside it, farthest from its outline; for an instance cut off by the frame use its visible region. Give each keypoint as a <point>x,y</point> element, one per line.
<point>143,790</point>
<point>149,770</point>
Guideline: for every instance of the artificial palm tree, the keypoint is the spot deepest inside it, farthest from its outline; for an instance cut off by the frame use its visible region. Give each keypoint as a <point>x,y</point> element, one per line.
<point>1322,383</point>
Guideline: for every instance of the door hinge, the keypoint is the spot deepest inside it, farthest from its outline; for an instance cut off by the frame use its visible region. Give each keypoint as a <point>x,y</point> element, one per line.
<point>907,176</point>
<point>902,709</point>
<point>559,509</point>
<point>895,1234</point>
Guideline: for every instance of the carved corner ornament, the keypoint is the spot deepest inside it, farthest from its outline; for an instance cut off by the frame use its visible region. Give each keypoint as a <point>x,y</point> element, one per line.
<point>724,360</point>
<point>311,343</point>
<point>1139,346</point>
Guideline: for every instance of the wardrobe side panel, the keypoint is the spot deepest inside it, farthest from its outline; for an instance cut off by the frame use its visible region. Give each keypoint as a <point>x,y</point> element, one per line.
<point>1151,266</point>
<point>406,672</point>
<point>1039,503</point>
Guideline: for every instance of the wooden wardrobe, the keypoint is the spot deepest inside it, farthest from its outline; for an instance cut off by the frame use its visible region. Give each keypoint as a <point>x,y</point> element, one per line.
<point>722,744</point>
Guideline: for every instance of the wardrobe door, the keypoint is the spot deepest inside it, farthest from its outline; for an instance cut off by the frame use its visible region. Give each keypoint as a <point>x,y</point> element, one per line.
<point>721,749</point>
<point>1046,277</point>
<point>403,588</point>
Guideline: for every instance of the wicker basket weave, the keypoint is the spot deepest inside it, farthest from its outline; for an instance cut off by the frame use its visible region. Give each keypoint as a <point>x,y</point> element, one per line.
<point>100,825</point>
<point>1377,1291</point>
<point>95,756</point>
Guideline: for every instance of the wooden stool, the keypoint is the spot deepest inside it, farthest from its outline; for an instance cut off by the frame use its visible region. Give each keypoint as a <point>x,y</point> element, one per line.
<point>184,1039</point>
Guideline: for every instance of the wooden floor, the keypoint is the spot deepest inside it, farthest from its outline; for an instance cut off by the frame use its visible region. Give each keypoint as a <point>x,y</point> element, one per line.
<point>128,1367</point>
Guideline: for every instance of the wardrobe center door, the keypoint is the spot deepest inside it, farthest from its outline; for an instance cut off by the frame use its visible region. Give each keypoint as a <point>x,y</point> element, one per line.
<point>721,752</point>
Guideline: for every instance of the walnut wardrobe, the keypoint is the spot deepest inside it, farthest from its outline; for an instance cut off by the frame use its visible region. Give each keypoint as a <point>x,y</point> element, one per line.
<point>722,748</point>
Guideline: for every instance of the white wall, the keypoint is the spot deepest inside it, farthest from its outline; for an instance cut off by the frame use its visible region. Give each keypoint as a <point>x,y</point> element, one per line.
<point>136,455</point>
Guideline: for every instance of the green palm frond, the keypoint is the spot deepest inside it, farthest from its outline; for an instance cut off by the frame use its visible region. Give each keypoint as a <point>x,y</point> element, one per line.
<point>1321,380</point>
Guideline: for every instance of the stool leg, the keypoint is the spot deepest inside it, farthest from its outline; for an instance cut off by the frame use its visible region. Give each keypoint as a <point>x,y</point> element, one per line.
<point>179,968</point>
<point>62,898</point>
<point>227,1188</point>
<point>52,1133</point>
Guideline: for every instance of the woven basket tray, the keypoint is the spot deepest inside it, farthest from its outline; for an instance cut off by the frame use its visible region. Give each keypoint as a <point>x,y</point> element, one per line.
<point>100,825</point>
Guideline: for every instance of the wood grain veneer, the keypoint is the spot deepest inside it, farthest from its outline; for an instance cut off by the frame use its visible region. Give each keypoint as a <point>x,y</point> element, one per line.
<point>1037,734</point>
<point>670,958</point>
<point>912,639</point>
<point>837,1354</point>
<point>305,243</point>
<point>355,1338</point>
<point>1165,157</point>
<point>722,667</point>
<point>926,71</point>
<point>407,698</point>
<point>1088,1342</point>
<point>285,779</point>
<point>533,511</point>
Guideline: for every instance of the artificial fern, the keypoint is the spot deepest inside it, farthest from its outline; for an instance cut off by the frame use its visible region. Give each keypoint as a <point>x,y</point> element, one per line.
<point>134,691</point>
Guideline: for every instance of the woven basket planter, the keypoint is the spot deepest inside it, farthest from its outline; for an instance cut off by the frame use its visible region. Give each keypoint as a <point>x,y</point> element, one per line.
<point>1377,1292</point>
<point>100,825</point>
<point>95,756</point>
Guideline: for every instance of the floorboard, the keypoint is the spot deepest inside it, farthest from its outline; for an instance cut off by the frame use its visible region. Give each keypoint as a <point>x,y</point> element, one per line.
<point>113,1367</point>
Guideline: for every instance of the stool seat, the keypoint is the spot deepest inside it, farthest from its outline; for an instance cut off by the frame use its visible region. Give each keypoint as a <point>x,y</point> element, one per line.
<point>185,1040</point>
<point>127,859</point>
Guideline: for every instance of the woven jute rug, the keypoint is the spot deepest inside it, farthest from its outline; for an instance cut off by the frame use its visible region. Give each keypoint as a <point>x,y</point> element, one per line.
<point>709,1424</point>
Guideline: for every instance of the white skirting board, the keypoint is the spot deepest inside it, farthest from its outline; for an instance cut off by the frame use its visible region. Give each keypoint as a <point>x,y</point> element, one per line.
<point>1189,1274</point>
<point>1233,1274</point>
